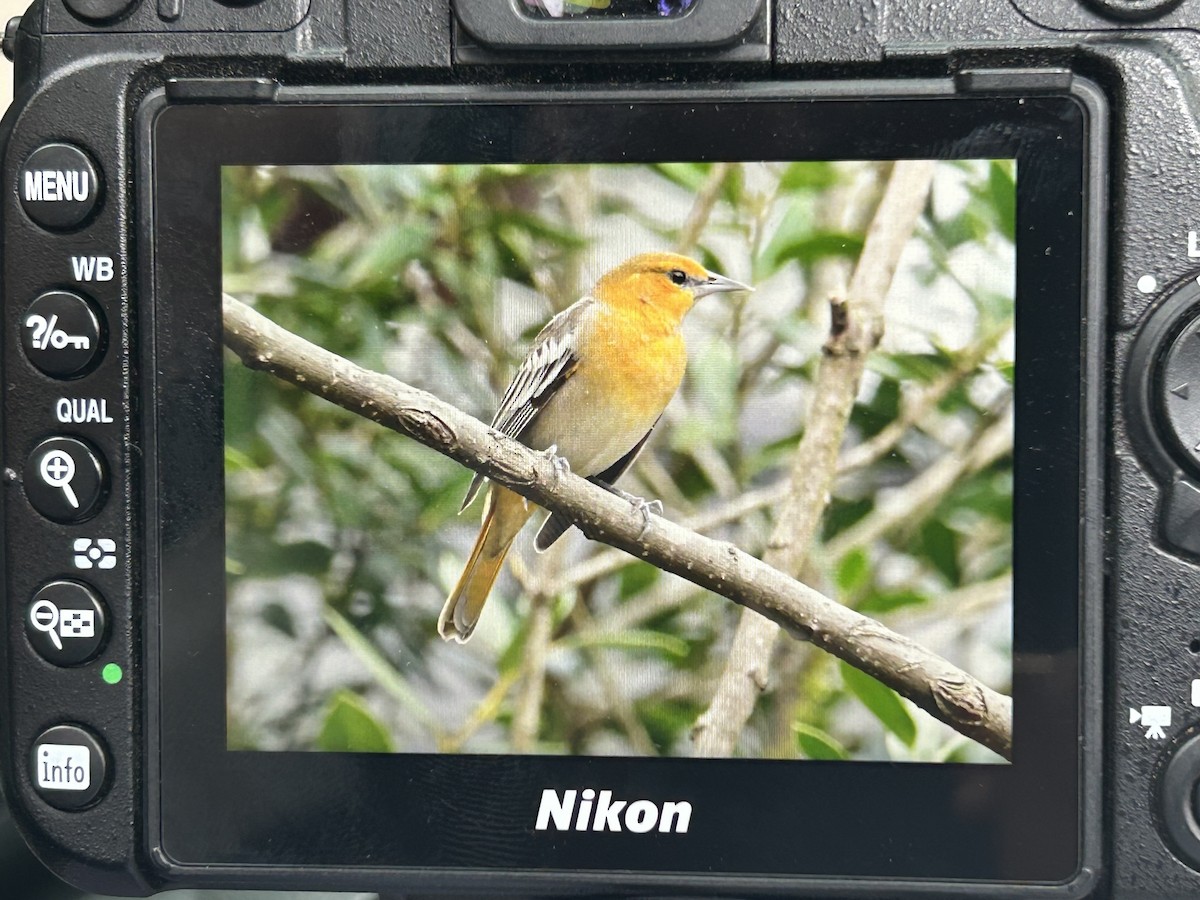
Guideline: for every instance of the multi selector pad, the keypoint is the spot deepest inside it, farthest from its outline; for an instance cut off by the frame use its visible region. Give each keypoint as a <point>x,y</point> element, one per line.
<point>1163,404</point>
<point>1179,390</point>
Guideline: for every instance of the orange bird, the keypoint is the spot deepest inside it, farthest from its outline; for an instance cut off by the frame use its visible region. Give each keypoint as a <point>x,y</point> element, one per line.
<point>591,390</point>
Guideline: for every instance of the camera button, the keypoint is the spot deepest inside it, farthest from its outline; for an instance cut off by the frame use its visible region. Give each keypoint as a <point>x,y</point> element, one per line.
<point>59,186</point>
<point>1179,389</point>
<point>99,10</point>
<point>1133,10</point>
<point>66,623</point>
<point>9,44</point>
<point>68,767</point>
<point>64,480</point>
<point>62,334</point>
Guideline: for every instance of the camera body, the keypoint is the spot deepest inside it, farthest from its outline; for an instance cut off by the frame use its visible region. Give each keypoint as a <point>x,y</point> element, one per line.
<point>100,489</point>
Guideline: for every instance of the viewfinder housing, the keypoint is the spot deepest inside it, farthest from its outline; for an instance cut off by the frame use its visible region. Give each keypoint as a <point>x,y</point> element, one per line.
<point>620,25</point>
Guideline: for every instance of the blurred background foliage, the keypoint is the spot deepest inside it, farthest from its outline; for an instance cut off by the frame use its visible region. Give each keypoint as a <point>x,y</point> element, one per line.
<point>343,538</point>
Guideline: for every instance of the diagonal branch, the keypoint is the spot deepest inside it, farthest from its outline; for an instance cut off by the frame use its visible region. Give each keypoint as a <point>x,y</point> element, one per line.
<point>914,411</point>
<point>932,683</point>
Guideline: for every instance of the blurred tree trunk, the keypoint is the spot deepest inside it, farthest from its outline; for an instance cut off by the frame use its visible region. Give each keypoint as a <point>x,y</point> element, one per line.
<point>855,328</point>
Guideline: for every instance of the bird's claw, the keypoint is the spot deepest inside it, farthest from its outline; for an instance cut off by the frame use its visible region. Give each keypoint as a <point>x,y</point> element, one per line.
<point>561,466</point>
<point>642,505</point>
<point>649,506</point>
<point>646,508</point>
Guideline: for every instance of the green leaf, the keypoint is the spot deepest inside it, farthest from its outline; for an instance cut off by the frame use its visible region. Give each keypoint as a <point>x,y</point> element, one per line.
<point>1002,191</point>
<point>920,367</point>
<point>880,411</point>
<point>987,493</point>
<point>853,572</point>
<point>808,176</point>
<point>636,578</point>
<point>993,306</point>
<point>689,176</point>
<point>278,617</point>
<point>305,558</point>
<point>884,703</point>
<point>350,727</point>
<point>968,225</point>
<point>237,461</point>
<point>938,543</point>
<point>513,656</point>
<point>819,246</point>
<point>631,640</point>
<point>889,601</point>
<point>667,721</point>
<point>384,254</point>
<point>817,744</point>
<point>841,514</point>
<point>796,225</point>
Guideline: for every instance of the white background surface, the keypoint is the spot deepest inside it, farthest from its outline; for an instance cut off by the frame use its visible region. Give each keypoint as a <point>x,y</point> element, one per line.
<point>8,9</point>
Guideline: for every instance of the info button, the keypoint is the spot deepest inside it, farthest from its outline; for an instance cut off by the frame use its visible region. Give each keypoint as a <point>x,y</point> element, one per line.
<point>68,767</point>
<point>59,186</point>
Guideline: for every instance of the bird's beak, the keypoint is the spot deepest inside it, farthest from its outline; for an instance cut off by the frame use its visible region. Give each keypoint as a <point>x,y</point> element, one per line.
<point>718,284</point>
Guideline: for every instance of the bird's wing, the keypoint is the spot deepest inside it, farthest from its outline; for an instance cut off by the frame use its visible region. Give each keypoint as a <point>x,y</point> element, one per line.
<point>552,359</point>
<point>556,524</point>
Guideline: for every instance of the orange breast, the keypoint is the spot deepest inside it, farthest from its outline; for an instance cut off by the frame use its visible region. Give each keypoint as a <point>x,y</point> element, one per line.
<point>641,357</point>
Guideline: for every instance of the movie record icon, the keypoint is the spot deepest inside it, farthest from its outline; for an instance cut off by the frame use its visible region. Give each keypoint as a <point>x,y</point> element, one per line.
<point>65,622</point>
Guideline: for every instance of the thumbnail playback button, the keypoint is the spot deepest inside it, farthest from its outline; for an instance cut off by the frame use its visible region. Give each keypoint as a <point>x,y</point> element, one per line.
<point>65,622</point>
<point>64,479</point>
<point>59,187</point>
<point>68,767</point>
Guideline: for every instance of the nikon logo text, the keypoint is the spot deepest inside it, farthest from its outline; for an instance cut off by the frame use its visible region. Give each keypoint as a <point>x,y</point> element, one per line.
<point>583,811</point>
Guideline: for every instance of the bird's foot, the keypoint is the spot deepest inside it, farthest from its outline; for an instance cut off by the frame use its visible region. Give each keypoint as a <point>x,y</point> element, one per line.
<point>561,466</point>
<point>641,504</point>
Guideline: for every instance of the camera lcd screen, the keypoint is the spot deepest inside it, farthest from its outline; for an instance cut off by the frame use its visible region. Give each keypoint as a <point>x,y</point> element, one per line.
<point>345,540</point>
<point>894,415</point>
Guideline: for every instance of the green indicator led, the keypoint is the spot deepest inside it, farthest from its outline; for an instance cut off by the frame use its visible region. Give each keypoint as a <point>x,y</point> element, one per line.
<point>111,673</point>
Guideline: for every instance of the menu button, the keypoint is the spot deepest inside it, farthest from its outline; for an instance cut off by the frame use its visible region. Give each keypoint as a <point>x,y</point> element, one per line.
<point>59,186</point>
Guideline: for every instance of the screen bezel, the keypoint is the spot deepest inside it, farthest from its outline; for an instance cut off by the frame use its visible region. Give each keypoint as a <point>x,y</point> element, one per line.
<point>873,820</point>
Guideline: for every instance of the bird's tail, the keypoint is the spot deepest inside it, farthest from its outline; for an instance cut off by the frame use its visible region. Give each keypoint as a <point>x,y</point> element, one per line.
<point>503,517</point>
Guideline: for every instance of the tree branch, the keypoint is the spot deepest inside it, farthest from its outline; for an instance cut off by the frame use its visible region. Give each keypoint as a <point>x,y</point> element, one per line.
<point>859,456</point>
<point>706,198</point>
<point>855,328</point>
<point>932,683</point>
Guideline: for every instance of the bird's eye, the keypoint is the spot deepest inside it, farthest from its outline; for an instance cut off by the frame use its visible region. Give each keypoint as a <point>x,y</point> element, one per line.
<point>677,276</point>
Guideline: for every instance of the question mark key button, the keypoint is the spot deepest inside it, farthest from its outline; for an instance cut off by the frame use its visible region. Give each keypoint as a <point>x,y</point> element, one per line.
<point>63,334</point>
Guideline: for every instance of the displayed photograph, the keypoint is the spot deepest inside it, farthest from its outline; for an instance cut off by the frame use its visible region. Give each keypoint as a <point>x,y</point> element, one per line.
<point>801,370</point>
